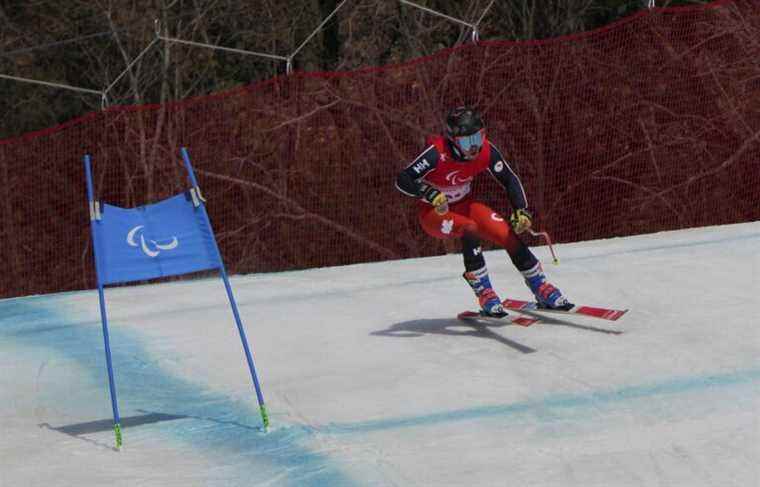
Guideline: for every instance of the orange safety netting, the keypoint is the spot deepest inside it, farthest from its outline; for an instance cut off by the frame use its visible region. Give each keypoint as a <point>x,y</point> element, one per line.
<point>650,124</point>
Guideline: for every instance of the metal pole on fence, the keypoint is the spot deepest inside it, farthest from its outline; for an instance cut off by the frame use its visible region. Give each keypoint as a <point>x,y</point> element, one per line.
<point>314,32</point>
<point>474,27</point>
<point>53,85</point>
<point>126,70</point>
<point>222,48</point>
<point>475,33</point>
<point>215,47</point>
<point>480,19</point>
<point>58,43</point>
<point>435,12</point>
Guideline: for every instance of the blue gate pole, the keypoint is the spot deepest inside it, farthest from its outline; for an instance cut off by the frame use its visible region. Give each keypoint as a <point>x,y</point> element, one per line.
<point>102,298</point>
<point>223,271</point>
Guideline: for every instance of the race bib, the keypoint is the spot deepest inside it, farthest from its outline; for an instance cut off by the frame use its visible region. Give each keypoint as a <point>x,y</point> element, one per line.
<point>456,193</point>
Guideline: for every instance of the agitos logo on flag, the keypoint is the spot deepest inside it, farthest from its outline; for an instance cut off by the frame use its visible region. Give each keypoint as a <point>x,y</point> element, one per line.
<point>158,240</point>
<point>131,240</point>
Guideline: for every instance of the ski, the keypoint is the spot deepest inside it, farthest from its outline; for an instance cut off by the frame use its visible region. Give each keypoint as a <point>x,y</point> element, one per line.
<point>504,320</point>
<point>591,311</point>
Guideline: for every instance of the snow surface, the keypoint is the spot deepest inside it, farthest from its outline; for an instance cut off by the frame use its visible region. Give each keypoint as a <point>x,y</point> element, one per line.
<point>371,381</point>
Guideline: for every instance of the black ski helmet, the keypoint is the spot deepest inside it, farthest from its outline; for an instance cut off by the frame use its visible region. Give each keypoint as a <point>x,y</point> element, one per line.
<point>464,129</point>
<point>463,120</point>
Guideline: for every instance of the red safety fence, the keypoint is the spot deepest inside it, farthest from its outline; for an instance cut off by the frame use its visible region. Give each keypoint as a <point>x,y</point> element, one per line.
<point>649,124</point>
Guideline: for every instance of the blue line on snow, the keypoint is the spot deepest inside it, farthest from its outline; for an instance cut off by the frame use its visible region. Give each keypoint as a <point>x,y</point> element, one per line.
<point>214,425</point>
<point>552,403</point>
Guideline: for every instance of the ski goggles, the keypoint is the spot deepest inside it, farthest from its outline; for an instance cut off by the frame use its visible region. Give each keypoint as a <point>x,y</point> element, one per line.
<point>468,142</point>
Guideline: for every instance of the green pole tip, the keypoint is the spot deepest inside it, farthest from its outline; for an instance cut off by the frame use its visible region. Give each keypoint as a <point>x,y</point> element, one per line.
<point>117,431</point>
<point>265,417</point>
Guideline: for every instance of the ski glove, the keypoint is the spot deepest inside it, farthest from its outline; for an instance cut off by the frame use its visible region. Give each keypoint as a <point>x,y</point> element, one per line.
<point>437,199</point>
<point>521,220</point>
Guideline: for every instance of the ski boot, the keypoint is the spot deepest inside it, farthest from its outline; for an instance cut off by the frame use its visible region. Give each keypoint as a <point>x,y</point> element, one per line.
<point>490,303</point>
<point>547,295</point>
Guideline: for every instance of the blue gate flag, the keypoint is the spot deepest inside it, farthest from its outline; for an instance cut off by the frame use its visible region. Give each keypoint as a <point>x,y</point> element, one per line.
<point>162,239</point>
<point>167,238</point>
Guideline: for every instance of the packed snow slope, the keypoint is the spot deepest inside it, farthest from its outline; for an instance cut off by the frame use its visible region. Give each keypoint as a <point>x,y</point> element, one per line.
<point>370,380</point>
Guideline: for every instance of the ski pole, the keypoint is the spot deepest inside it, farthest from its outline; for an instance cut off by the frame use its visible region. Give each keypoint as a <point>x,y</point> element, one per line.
<point>548,239</point>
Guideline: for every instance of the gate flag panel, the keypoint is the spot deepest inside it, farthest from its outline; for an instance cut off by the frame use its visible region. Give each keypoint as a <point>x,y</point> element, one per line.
<point>167,238</point>
<point>163,239</point>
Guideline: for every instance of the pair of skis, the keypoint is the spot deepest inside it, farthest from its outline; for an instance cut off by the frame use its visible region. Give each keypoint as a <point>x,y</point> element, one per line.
<point>529,306</point>
<point>533,307</point>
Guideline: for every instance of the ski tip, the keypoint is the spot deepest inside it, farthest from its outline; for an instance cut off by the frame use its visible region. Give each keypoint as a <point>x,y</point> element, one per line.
<point>617,314</point>
<point>524,321</point>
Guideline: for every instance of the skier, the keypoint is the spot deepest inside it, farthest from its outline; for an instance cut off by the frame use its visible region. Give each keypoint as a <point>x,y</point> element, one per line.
<point>441,179</point>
